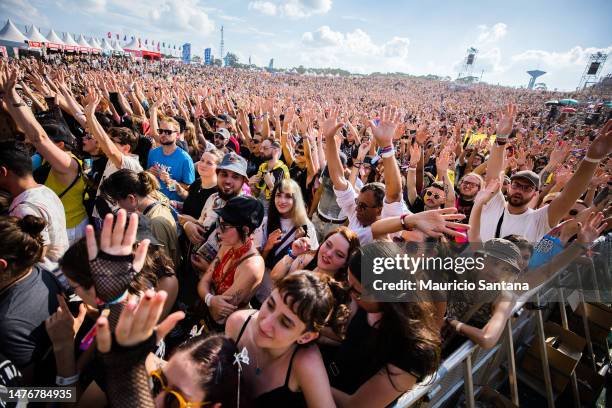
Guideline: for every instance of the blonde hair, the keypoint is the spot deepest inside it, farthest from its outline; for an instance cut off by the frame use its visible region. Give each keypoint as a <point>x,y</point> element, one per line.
<point>172,121</point>
<point>298,211</point>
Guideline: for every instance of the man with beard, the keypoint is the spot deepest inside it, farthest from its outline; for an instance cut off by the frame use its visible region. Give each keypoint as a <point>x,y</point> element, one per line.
<point>272,171</point>
<point>220,139</point>
<point>517,217</point>
<point>169,163</point>
<point>467,189</point>
<point>231,175</point>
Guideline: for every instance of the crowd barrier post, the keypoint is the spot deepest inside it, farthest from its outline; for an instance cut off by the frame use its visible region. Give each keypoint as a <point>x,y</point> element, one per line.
<point>511,363</point>
<point>468,381</point>
<point>565,325</point>
<point>585,321</point>
<point>541,339</point>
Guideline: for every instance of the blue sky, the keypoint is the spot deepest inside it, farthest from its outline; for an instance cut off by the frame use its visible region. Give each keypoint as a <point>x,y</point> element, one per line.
<point>417,37</point>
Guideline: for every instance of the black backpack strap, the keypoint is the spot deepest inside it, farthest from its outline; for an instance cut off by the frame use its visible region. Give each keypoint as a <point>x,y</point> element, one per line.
<point>499,224</point>
<point>76,179</point>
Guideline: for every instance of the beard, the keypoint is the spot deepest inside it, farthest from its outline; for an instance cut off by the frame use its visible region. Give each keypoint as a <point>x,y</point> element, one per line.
<point>166,143</point>
<point>467,197</point>
<point>226,196</point>
<point>517,200</point>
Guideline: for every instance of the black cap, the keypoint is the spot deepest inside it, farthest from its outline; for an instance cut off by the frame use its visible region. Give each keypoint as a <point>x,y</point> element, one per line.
<point>242,211</point>
<point>528,175</point>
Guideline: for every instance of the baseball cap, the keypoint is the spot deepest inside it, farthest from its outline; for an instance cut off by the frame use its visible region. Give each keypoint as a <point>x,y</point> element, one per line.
<point>224,133</point>
<point>528,175</point>
<point>235,163</point>
<point>242,211</point>
<point>503,250</point>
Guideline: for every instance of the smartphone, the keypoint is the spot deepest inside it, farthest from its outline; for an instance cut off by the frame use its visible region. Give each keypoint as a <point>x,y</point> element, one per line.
<point>603,195</point>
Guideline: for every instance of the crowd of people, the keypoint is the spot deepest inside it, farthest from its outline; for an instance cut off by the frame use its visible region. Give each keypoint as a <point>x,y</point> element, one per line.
<point>203,229</point>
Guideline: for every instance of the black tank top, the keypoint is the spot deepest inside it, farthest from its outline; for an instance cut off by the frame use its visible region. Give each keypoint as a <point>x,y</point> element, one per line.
<point>281,396</point>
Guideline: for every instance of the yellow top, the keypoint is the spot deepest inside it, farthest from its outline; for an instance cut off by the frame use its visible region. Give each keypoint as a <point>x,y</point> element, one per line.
<point>72,200</point>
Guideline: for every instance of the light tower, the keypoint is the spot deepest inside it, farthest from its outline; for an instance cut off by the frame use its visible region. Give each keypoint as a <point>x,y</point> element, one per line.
<point>592,70</point>
<point>534,74</point>
<point>221,46</point>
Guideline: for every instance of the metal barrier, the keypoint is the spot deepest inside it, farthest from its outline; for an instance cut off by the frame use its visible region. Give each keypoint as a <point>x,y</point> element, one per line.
<point>470,366</point>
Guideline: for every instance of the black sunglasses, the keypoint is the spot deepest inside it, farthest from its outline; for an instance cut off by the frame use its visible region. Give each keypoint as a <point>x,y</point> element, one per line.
<point>435,195</point>
<point>224,226</point>
<point>165,131</point>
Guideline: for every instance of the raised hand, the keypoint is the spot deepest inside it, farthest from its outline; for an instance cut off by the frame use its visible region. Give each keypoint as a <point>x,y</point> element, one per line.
<point>505,122</point>
<point>485,195</point>
<point>415,154</point>
<point>300,246</point>
<point>384,132</point>
<point>559,154</point>
<point>363,150</point>
<point>442,162</point>
<point>422,134</point>
<point>602,145</point>
<point>330,126</point>
<point>592,228</point>
<point>92,100</point>
<point>117,240</point>
<point>137,322</point>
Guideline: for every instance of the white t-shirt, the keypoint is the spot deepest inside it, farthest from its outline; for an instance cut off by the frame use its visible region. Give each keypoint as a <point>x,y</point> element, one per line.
<point>532,224</point>
<point>42,202</point>
<point>346,201</point>
<point>127,162</point>
<point>260,236</point>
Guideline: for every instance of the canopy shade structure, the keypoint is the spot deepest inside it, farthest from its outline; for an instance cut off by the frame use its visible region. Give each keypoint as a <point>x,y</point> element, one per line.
<point>107,48</point>
<point>10,36</point>
<point>552,102</point>
<point>117,48</point>
<point>568,102</point>
<point>568,110</point>
<point>96,47</point>
<point>35,38</point>
<point>55,43</point>
<point>137,49</point>
<point>69,43</point>
<point>84,46</point>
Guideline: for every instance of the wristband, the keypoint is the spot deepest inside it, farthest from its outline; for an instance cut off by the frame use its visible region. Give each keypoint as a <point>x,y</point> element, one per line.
<point>208,299</point>
<point>65,381</point>
<point>458,327</point>
<point>591,160</point>
<point>290,254</point>
<point>388,153</point>
<point>405,226</point>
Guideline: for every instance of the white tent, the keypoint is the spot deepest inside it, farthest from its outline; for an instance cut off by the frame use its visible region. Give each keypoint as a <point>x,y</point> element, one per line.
<point>117,47</point>
<point>84,46</point>
<point>106,46</point>
<point>133,45</point>
<point>96,47</point>
<point>69,43</point>
<point>36,39</point>
<point>11,36</point>
<point>55,43</point>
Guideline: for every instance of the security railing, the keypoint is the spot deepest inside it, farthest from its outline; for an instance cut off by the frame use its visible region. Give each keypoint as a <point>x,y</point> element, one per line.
<point>470,366</point>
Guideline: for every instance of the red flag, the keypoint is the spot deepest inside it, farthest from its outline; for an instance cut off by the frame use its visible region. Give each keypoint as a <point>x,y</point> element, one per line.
<point>109,34</point>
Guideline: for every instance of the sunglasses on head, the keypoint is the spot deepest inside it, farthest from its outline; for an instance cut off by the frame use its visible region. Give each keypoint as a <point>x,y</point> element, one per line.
<point>165,131</point>
<point>435,195</point>
<point>173,399</point>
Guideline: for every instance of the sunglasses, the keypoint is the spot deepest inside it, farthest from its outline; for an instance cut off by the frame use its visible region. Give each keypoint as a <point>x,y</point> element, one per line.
<point>362,206</point>
<point>436,196</point>
<point>165,131</point>
<point>173,399</point>
<point>256,141</point>
<point>469,184</point>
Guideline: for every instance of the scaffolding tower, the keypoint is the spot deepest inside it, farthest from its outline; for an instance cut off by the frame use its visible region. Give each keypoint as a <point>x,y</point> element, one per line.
<point>592,70</point>
<point>221,46</point>
<point>467,68</point>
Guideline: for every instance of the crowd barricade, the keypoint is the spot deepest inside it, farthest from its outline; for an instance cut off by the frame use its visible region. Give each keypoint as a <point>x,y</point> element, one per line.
<point>468,370</point>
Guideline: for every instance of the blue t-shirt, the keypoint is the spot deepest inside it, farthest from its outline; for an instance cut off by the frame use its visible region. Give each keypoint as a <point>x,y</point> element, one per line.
<point>179,165</point>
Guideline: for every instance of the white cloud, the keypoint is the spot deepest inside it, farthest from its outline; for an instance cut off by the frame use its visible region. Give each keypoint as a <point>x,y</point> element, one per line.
<point>493,34</point>
<point>577,56</point>
<point>184,15</point>
<point>264,7</point>
<point>354,50</point>
<point>22,11</point>
<point>291,8</point>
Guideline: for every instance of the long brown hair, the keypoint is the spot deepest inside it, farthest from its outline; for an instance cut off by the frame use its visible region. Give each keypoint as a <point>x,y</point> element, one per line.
<point>353,240</point>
